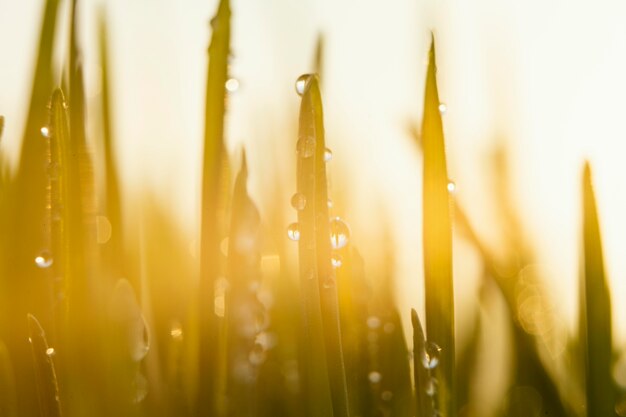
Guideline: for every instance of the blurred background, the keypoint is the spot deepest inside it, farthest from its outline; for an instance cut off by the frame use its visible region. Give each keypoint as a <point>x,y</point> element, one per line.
<point>542,80</point>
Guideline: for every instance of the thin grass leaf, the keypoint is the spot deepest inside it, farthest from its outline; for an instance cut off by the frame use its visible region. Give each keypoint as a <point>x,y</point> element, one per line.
<point>423,403</point>
<point>437,226</point>
<point>595,310</point>
<point>47,386</point>
<point>318,59</point>
<point>1,125</point>
<point>315,370</point>
<point>8,394</point>
<point>211,193</point>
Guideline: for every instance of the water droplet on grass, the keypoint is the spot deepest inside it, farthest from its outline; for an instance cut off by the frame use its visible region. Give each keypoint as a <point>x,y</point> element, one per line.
<point>232,85</point>
<point>451,186</point>
<point>430,355</point>
<point>328,155</point>
<point>306,146</point>
<point>293,232</point>
<point>50,351</point>
<point>443,108</point>
<point>374,377</point>
<point>339,233</point>
<point>386,395</point>
<point>45,132</point>
<point>44,260</point>
<point>431,387</point>
<point>373,322</point>
<point>336,260</point>
<point>298,201</point>
<point>302,84</point>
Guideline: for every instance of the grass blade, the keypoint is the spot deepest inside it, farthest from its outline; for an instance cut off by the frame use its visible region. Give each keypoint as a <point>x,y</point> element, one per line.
<point>595,310</point>
<point>437,240</point>
<point>211,193</point>
<point>47,386</point>
<point>423,404</point>
<point>8,395</point>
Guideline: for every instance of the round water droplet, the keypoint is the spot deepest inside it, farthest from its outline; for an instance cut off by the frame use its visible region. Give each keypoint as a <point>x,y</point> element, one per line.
<point>373,322</point>
<point>386,395</point>
<point>50,351</point>
<point>298,201</point>
<point>306,146</point>
<point>389,327</point>
<point>232,85</point>
<point>374,377</point>
<point>451,186</point>
<point>44,260</point>
<point>139,339</point>
<point>176,331</point>
<point>293,232</point>
<point>45,132</point>
<point>336,260</point>
<point>443,108</point>
<point>329,203</point>
<point>430,355</point>
<point>328,155</point>
<point>328,283</point>
<point>104,229</point>
<point>302,84</point>
<point>430,388</point>
<point>339,233</point>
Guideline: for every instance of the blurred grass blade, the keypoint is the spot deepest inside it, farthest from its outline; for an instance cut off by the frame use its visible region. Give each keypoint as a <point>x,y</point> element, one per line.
<point>114,248</point>
<point>1,125</point>
<point>318,60</point>
<point>211,193</point>
<point>437,242</point>
<point>8,395</point>
<point>315,369</point>
<point>595,310</point>
<point>423,404</point>
<point>47,386</point>
<point>243,308</point>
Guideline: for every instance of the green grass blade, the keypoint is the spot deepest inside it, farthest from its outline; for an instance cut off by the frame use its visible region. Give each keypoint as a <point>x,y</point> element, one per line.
<point>47,386</point>
<point>595,310</point>
<point>211,193</point>
<point>316,372</point>
<point>423,403</point>
<point>437,241</point>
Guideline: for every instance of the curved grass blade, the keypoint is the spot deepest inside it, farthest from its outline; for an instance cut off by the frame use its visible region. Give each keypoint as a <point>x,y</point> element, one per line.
<point>595,310</point>
<point>437,244</point>
<point>211,195</point>
<point>315,246</point>
<point>47,386</point>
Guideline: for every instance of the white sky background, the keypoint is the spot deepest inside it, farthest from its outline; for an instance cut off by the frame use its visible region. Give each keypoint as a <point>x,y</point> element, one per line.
<point>549,76</point>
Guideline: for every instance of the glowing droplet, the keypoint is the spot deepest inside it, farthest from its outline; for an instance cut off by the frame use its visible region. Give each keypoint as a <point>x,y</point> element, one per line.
<point>302,84</point>
<point>336,260</point>
<point>232,85</point>
<point>293,232</point>
<point>306,146</point>
<point>430,388</point>
<point>103,229</point>
<point>45,132</point>
<point>328,155</point>
<point>50,351</point>
<point>176,332</point>
<point>389,327</point>
<point>329,203</point>
<point>451,186</point>
<point>339,233</point>
<point>374,377</point>
<point>430,355</point>
<point>373,322</point>
<point>298,201</point>
<point>44,260</point>
<point>443,108</point>
<point>140,339</point>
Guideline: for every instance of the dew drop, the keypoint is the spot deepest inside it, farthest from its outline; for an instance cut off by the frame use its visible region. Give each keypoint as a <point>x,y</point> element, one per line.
<point>44,260</point>
<point>374,377</point>
<point>293,232</point>
<point>386,395</point>
<point>257,355</point>
<point>298,201</point>
<point>329,203</point>
<point>50,351</point>
<point>443,108</point>
<point>45,132</point>
<point>339,233</point>
<point>373,322</point>
<point>336,260</point>
<point>140,339</point>
<point>140,386</point>
<point>302,84</point>
<point>328,283</point>
<point>232,85</point>
<point>176,331</point>
<point>430,355</point>
<point>328,155</point>
<point>104,229</point>
<point>430,388</point>
<point>306,146</point>
<point>451,186</point>
<point>389,327</point>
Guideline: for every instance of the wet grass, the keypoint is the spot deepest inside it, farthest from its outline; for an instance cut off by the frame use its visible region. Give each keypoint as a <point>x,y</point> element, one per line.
<point>130,322</point>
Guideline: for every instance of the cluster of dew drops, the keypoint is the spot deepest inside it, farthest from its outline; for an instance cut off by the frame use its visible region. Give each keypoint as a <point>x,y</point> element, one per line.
<point>339,230</point>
